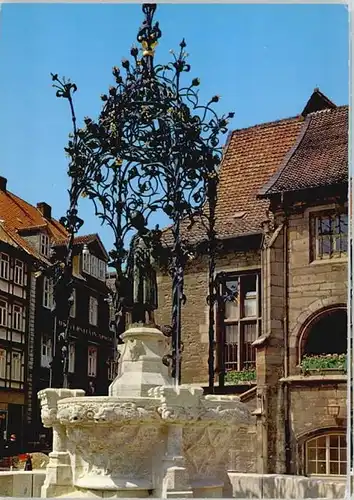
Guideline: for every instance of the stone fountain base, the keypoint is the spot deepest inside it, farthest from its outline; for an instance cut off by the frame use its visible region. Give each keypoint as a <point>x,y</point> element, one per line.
<point>147,438</point>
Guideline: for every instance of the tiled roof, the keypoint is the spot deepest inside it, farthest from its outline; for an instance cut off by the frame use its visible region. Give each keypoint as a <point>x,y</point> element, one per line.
<point>251,157</point>
<point>79,240</point>
<point>320,156</point>
<point>19,215</point>
<point>10,236</point>
<point>85,239</point>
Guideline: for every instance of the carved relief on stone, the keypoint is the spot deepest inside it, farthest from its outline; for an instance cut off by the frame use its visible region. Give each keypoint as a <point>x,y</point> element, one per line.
<point>104,412</point>
<point>206,450</point>
<point>178,405</point>
<point>135,350</point>
<point>124,451</point>
<point>226,416</point>
<point>49,400</point>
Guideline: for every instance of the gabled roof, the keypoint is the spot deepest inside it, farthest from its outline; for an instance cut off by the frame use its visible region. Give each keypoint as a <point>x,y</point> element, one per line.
<point>252,156</point>
<point>18,218</point>
<point>20,215</point>
<point>317,102</point>
<point>319,157</point>
<point>11,237</point>
<point>86,239</point>
<point>303,151</point>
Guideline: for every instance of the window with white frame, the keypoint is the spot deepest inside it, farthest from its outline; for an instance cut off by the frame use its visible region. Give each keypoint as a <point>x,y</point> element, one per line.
<point>102,270</point>
<point>17,317</point>
<point>46,351</point>
<point>240,319</point>
<point>19,272</point>
<point>44,245</point>
<point>330,235</point>
<point>4,266</point>
<point>73,304</point>
<point>71,363</point>
<point>92,361</point>
<point>327,455</point>
<point>86,261</point>
<point>47,292</point>
<point>93,311</point>
<point>2,363</point>
<point>93,265</point>
<point>17,371</point>
<point>3,313</point>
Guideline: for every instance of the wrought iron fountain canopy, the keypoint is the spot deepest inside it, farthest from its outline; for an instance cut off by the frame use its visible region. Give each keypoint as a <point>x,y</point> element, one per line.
<point>154,148</point>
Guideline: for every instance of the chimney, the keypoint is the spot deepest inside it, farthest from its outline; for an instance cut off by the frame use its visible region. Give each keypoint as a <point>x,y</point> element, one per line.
<point>3,182</point>
<point>45,210</point>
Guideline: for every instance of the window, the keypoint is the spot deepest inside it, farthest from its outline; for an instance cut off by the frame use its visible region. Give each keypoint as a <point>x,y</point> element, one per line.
<point>44,245</point>
<point>47,292</point>
<point>17,318</point>
<point>92,361</point>
<point>102,270</point>
<point>93,265</point>
<point>71,364</point>
<point>240,319</point>
<point>112,369</point>
<point>17,371</point>
<point>2,363</point>
<point>4,266</point>
<point>86,261</point>
<point>330,235</point>
<point>93,311</point>
<point>73,305</point>
<point>3,313</point>
<point>19,272</point>
<point>327,455</point>
<point>46,351</point>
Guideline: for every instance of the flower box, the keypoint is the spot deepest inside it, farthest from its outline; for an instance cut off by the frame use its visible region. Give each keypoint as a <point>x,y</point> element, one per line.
<point>324,364</point>
<point>238,377</point>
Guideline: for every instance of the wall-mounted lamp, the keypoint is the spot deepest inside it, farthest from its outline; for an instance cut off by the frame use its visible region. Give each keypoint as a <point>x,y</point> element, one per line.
<point>85,250</point>
<point>333,410</point>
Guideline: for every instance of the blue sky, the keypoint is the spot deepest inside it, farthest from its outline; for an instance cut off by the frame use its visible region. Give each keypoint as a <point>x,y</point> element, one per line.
<point>264,61</point>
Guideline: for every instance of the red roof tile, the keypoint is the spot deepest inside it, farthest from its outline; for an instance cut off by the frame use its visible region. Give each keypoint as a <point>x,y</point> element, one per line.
<point>251,157</point>
<point>19,215</point>
<point>320,156</point>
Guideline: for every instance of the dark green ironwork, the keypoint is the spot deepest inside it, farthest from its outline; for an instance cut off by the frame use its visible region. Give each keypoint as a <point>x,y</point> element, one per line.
<point>154,148</point>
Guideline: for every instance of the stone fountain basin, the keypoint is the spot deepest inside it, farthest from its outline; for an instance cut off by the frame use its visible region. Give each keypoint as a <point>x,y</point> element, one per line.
<point>112,440</point>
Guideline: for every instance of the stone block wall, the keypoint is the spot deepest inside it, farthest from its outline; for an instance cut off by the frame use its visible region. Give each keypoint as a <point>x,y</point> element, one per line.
<point>313,285</point>
<point>195,311</point>
<point>309,414</point>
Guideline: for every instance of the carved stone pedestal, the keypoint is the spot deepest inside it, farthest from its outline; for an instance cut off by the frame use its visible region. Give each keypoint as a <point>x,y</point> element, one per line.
<point>59,477</point>
<point>141,366</point>
<point>59,480</point>
<point>175,483</point>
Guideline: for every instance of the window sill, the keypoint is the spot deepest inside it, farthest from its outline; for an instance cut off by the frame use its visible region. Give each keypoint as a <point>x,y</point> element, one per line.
<point>314,378</point>
<point>333,260</point>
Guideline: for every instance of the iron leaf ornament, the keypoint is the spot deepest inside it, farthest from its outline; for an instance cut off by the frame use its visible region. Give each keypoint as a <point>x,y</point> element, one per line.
<point>154,148</point>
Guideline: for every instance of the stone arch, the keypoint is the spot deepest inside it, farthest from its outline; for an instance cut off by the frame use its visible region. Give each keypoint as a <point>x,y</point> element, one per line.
<point>335,314</point>
<point>307,316</point>
<point>305,438</point>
